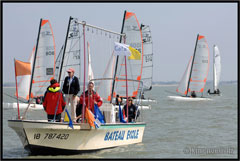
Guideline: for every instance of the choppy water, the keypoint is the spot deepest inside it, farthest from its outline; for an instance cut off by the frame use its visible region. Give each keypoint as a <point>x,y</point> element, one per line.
<point>174,129</point>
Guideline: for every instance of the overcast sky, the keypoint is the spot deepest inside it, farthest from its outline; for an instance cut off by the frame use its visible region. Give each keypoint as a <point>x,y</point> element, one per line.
<point>174,28</point>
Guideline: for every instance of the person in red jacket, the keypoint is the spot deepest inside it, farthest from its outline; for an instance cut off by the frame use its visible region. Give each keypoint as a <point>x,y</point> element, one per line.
<point>53,97</point>
<point>91,98</point>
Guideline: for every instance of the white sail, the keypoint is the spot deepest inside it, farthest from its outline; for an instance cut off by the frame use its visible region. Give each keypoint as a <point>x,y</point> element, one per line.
<point>71,58</point>
<point>44,69</point>
<point>195,77</point>
<point>134,67</point>
<point>90,71</point>
<point>200,66</point>
<point>216,67</point>
<point>147,69</point>
<point>24,84</point>
<point>182,87</point>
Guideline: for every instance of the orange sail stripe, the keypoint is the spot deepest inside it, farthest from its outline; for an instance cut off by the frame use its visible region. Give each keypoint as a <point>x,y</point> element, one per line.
<point>22,68</point>
<point>128,15</point>
<point>54,49</point>
<point>139,78</point>
<point>44,22</point>
<point>135,93</point>
<point>200,37</point>
<point>41,81</point>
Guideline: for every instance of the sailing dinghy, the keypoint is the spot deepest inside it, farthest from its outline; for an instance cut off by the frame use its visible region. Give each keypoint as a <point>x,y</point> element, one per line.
<point>42,61</point>
<point>216,71</point>
<point>42,137</point>
<point>195,77</point>
<point>147,69</point>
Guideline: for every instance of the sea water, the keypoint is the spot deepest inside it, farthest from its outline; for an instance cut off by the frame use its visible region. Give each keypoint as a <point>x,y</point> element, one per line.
<point>175,129</point>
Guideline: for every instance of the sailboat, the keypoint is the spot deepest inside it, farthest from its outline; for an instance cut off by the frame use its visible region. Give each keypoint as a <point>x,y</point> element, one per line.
<point>147,69</point>
<point>216,71</point>
<point>42,61</point>
<point>42,137</point>
<point>194,79</point>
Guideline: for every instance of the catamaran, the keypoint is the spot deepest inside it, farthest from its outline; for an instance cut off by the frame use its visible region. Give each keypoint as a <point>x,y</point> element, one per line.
<point>42,61</point>
<point>216,71</point>
<point>195,77</point>
<point>42,137</point>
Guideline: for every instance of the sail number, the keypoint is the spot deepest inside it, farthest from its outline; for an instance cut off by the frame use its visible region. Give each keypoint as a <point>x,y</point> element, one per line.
<point>51,136</point>
<point>148,58</point>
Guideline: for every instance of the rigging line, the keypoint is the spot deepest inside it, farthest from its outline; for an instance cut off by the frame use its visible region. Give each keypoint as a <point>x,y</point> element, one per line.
<point>14,97</point>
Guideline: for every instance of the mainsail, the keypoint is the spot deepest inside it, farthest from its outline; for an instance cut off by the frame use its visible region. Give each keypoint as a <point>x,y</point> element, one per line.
<point>133,33</point>
<point>197,75</point>
<point>147,69</point>
<point>44,60</point>
<point>216,67</point>
<point>71,52</point>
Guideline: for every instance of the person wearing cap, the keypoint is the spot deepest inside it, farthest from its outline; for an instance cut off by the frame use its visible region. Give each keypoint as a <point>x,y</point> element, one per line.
<point>131,110</point>
<point>70,89</point>
<point>91,98</point>
<point>53,98</point>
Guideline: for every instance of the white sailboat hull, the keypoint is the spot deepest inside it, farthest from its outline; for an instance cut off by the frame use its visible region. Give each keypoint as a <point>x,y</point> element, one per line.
<point>23,106</point>
<point>182,98</point>
<point>39,135</point>
<point>146,100</point>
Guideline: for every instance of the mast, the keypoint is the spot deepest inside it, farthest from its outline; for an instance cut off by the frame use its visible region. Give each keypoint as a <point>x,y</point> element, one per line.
<point>192,64</point>
<point>60,70</point>
<point>117,57</point>
<point>214,68</point>
<point>34,60</point>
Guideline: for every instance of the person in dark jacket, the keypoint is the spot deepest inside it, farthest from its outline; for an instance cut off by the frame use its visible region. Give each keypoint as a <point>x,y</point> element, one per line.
<point>131,110</point>
<point>53,98</point>
<point>70,89</point>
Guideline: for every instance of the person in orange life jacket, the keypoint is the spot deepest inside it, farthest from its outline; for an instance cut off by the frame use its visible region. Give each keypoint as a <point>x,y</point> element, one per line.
<point>131,110</point>
<point>70,89</point>
<point>53,97</point>
<point>91,98</point>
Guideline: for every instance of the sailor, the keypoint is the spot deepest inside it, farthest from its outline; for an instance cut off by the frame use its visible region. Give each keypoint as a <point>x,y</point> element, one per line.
<point>70,89</point>
<point>91,98</point>
<point>193,94</point>
<point>131,110</point>
<point>118,100</point>
<point>208,91</point>
<point>53,98</point>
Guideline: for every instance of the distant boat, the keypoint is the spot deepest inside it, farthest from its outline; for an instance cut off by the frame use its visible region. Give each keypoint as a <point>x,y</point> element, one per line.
<point>216,71</point>
<point>42,61</point>
<point>195,77</point>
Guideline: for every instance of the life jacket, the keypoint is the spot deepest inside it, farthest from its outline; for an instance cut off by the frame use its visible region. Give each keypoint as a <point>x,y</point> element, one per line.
<point>54,97</point>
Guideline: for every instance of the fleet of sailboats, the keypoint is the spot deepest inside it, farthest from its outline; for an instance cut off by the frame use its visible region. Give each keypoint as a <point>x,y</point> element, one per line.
<point>123,75</point>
